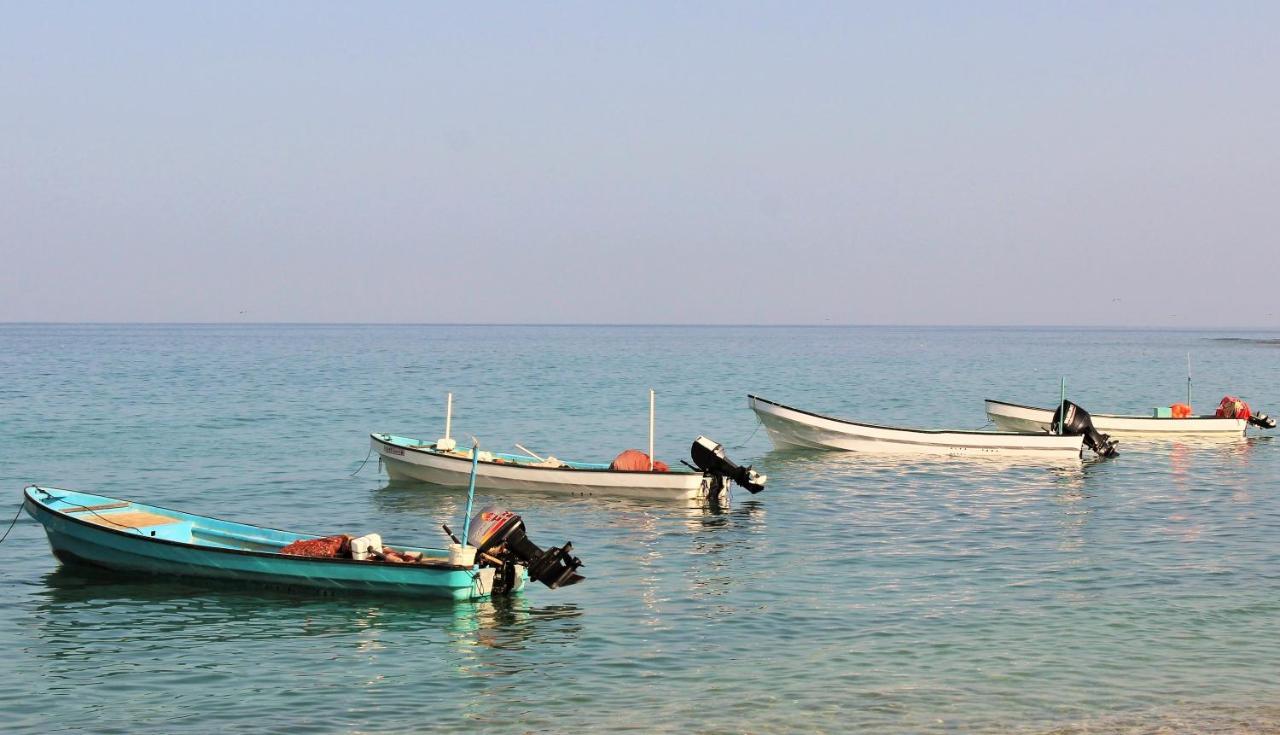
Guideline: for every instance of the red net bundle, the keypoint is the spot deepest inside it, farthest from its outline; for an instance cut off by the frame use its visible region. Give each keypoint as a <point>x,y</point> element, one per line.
<point>634,460</point>
<point>329,547</point>
<point>1233,408</point>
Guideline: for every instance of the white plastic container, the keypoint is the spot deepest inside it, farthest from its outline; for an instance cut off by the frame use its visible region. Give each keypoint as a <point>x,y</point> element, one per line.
<point>462,556</point>
<point>360,547</point>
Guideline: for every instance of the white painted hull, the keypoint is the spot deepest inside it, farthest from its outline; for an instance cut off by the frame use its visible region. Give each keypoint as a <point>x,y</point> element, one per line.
<point>789,427</point>
<point>426,465</point>
<point>1014,417</point>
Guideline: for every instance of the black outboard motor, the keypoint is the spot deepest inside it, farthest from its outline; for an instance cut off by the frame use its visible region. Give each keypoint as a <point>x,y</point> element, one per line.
<point>1262,421</point>
<point>709,456</point>
<point>500,541</point>
<point>1079,422</point>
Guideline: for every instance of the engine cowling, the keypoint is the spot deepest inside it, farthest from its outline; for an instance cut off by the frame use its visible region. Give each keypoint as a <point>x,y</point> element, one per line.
<point>500,540</point>
<point>709,457</point>
<point>1079,422</point>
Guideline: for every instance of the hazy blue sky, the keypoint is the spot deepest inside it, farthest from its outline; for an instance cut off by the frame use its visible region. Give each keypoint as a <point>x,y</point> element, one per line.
<point>939,163</point>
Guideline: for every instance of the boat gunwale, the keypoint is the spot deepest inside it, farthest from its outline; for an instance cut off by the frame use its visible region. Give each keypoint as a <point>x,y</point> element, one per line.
<point>905,429</point>
<point>1201,417</point>
<point>422,566</point>
<point>432,451</point>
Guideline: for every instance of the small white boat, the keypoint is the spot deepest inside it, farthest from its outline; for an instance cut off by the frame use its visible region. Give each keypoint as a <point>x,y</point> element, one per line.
<point>415,460</point>
<point>792,427</point>
<point>1016,417</point>
<point>444,463</point>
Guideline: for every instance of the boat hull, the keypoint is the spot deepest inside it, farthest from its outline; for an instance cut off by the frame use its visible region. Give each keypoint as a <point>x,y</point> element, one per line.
<point>1030,419</point>
<point>792,428</point>
<point>134,549</point>
<point>424,464</point>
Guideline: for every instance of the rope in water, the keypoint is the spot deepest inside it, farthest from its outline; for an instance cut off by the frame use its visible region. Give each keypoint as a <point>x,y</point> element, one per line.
<point>759,423</point>
<point>366,459</point>
<point>12,524</point>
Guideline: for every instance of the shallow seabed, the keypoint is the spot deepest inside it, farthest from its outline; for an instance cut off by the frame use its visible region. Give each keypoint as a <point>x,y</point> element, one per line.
<point>1130,596</point>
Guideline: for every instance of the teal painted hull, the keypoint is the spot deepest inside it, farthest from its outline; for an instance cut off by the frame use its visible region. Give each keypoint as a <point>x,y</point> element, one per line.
<point>134,538</point>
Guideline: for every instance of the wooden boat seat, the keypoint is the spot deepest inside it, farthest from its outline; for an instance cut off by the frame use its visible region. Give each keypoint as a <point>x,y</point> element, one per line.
<point>130,519</point>
<point>104,506</point>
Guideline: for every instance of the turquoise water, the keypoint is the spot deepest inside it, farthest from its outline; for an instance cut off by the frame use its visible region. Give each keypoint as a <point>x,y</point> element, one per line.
<point>1134,595</point>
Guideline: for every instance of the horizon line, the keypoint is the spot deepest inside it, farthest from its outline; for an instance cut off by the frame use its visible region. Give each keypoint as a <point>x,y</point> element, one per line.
<point>780,325</point>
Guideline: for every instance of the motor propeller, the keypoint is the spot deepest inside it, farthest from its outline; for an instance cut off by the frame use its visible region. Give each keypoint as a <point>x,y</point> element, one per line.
<point>1080,423</point>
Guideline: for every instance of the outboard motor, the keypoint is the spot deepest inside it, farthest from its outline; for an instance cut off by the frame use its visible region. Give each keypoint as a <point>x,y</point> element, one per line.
<point>709,457</point>
<point>500,541</point>
<point>1262,421</point>
<point>1079,422</point>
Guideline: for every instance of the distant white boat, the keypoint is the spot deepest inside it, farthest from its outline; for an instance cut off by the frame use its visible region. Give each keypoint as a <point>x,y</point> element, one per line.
<point>1016,417</point>
<point>792,427</point>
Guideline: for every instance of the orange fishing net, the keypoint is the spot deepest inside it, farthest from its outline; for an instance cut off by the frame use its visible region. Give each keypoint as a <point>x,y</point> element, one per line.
<point>1233,408</point>
<point>634,460</point>
<point>329,547</point>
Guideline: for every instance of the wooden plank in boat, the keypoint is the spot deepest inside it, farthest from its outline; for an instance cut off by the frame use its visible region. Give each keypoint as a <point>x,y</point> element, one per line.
<point>104,506</point>
<point>132,519</point>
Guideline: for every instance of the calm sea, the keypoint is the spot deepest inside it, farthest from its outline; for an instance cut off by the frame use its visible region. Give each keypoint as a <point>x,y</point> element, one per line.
<point>1135,595</point>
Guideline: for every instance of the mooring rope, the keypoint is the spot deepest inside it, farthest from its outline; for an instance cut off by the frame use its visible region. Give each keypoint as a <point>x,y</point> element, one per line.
<point>759,423</point>
<point>366,459</point>
<point>12,523</point>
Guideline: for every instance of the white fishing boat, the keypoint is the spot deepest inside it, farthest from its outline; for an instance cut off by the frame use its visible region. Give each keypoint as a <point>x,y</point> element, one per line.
<point>1016,417</point>
<point>443,463</point>
<point>791,427</point>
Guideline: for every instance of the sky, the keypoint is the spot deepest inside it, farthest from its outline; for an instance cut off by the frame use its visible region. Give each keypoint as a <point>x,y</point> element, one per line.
<point>1019,163</point>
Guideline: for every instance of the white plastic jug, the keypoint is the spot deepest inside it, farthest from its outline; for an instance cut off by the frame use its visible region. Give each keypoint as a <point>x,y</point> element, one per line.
<point>462,556</point>
<point>360,547</point>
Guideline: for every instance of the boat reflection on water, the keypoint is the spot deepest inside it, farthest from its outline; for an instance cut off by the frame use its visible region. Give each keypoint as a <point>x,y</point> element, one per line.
<point>485,638</point>
<point>1197,465</point>
<point>93,610</point>
<point>718,515</point>
<point>728,544</point>
<point>181,647</point>
<point>421,499</point>
<point>861,472</point>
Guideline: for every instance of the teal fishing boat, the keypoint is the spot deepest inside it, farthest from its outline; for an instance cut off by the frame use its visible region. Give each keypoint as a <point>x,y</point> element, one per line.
<point>125,536</point>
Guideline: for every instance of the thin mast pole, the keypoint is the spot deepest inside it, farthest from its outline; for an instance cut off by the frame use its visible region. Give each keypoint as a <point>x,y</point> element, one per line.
<point>471,490</point>
<point>448,415</point>
<point>651,429</point>
<point>1188,380</point>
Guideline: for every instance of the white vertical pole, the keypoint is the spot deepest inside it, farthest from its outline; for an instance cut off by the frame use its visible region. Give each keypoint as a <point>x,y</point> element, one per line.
<point>651,429</point>
<point>1188,379</point>
<point>448,415</point>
